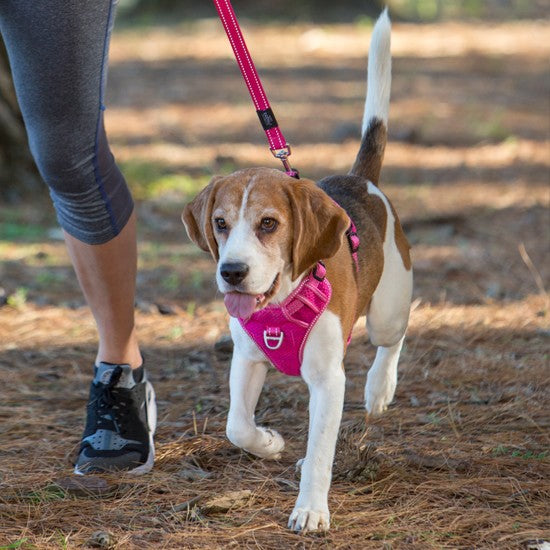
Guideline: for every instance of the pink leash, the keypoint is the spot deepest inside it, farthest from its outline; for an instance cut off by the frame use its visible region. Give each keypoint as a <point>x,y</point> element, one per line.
<point>277,143</point>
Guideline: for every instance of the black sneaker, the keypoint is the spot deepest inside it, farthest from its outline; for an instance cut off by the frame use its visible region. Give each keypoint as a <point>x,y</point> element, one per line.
<point>120,423</point>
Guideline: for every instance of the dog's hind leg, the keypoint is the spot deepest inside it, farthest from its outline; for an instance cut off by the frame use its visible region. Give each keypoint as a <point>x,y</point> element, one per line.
<point>382,379</point>
<point>248,372</point>
<point>388,315</point>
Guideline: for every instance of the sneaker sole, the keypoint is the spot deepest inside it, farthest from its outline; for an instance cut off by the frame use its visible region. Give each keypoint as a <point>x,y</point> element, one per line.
<point>147,466</point>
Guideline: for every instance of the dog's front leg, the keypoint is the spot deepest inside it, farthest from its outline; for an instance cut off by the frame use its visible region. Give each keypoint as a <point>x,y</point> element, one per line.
<point>322,370</point>
<point>248,371</point>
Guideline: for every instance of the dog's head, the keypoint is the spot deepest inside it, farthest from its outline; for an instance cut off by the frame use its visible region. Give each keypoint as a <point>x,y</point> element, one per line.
<point>264,229</point>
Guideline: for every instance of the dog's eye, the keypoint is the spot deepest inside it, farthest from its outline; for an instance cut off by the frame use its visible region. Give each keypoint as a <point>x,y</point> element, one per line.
<point>268,225</point>
<point>220,224</point>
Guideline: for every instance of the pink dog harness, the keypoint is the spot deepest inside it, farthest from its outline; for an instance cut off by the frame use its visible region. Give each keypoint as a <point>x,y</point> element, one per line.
<point>281,331</point>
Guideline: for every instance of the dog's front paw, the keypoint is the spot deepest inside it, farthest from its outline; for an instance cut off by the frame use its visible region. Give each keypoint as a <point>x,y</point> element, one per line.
<point>305,519</point>
<point>270,444</point>
<point>379,392</point>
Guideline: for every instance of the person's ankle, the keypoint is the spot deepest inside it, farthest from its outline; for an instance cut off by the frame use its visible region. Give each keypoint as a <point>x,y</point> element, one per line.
<point>126,357</point>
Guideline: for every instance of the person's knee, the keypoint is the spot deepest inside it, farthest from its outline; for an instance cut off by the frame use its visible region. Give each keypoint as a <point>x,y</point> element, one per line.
<point>90,195</point>
<point>63,162</point>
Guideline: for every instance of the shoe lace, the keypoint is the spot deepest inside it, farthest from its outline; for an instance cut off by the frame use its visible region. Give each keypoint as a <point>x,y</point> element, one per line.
<point>112,403</point>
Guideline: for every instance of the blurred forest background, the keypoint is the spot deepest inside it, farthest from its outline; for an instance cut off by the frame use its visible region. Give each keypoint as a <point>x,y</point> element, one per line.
<point>17,172</point>
<point>348,10</point>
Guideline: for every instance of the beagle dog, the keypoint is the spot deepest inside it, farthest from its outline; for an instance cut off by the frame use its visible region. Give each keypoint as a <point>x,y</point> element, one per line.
<point>268,232</point>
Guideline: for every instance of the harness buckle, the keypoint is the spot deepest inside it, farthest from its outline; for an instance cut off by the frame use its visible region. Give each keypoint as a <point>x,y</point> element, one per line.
<point>321,273</point>
<point>353,239</point>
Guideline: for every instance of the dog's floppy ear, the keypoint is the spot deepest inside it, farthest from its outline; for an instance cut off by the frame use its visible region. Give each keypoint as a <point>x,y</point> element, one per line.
<point>319,225</point>
<point>196,217</point>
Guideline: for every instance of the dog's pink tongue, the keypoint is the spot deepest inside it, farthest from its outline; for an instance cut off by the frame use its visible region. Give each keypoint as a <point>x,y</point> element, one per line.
<point>240,305</point>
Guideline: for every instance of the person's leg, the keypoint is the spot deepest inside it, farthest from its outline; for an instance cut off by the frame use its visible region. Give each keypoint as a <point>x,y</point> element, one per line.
<point>58,51</point>
<point>107,274</point>
<point>58,54</point>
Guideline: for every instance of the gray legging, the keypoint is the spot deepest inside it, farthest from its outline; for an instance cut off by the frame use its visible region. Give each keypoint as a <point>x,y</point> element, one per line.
<point>58,54</point>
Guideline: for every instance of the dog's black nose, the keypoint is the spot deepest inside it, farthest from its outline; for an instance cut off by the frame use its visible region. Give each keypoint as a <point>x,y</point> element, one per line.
<point>233,273</point>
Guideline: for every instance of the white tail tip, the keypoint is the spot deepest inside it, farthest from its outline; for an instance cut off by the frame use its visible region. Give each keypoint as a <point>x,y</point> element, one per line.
<point>377,103</point>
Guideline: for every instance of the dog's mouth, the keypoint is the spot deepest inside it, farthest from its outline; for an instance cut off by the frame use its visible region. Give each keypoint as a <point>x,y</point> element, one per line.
<point>243,305</point>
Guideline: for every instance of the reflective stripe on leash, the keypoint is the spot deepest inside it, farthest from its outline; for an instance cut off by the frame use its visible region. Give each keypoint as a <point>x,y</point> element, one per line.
<point>277,142</point>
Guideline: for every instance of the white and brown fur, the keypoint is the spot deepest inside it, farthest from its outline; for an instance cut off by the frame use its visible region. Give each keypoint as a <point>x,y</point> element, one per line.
<point>310,227</point>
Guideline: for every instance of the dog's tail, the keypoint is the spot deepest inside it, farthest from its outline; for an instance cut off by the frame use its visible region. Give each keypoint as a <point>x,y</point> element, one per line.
<point>375,118</point>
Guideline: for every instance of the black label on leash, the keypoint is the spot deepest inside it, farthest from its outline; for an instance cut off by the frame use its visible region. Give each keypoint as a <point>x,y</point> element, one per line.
<point>267,119</point>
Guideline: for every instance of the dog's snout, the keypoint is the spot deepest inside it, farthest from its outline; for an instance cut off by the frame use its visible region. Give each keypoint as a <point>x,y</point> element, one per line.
<point>233,273</point>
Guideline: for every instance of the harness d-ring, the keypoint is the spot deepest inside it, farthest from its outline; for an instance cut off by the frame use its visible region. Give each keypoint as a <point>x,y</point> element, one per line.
<point>273,338</point>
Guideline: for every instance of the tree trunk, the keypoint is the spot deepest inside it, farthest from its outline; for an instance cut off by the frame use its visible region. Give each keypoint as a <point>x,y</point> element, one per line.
<point>18,173</point>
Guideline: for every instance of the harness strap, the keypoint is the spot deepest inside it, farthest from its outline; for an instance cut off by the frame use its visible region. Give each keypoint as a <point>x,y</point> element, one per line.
<point>277,142</point>
<point>353,240</point>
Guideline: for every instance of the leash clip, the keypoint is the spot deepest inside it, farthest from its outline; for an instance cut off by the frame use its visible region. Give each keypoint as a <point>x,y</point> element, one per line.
<point>283,154</point>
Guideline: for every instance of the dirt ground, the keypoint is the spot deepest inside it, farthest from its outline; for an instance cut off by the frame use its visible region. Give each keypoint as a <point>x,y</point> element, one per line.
<point>462,457</point>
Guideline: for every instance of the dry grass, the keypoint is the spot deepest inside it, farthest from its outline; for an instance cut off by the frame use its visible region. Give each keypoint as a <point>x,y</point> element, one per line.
<point>460,461</point>
<point>462,457</point>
